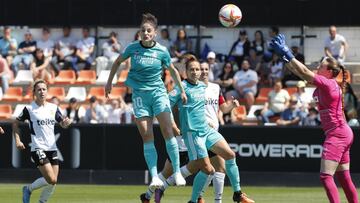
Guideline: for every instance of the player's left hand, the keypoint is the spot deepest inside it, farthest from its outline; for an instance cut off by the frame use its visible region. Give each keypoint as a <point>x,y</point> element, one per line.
<point>183,97</point>
<point>65,122</point>
<point>1,131</point>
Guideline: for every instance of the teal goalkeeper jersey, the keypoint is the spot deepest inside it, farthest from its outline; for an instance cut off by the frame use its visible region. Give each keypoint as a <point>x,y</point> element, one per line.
<point>146,65</point>
<point>192,114</point>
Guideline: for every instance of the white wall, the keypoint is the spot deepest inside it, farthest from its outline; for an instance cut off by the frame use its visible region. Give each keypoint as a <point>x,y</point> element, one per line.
<point>224,37</point>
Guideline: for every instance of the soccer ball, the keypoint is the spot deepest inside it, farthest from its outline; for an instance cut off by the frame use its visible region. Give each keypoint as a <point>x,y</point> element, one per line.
<point>230,15</point>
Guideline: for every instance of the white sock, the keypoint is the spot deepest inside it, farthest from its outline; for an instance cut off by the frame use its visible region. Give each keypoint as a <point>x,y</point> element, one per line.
<point>218,184</point>
<point>38,183</point>
<point>46,193</point>
<point>161,176</point>
<point>171,181</point>
<point>150,191</point>
<point>185,171</point>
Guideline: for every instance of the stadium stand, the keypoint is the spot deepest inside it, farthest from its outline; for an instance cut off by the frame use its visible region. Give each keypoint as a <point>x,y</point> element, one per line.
<point>86,77</point>
<point>65,77</point>
<point>5,111</point>
<point>79,93</point>
<point>13,94</point>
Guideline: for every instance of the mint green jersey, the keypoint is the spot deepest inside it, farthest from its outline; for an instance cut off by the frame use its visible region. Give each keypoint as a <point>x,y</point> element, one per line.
<point>192,114</point>
<point>146,65</point>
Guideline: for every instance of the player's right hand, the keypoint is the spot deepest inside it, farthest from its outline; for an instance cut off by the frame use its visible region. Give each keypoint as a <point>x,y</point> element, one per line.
<point>20,145</point>
<point>279,45</point>
<point>1,130</point>
<point>108,88</point>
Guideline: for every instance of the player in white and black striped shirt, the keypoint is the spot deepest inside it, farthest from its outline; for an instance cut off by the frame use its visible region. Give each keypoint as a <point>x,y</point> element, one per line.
<point>42,117</point>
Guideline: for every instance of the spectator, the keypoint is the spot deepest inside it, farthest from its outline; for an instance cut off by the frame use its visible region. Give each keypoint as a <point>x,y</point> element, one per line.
<point>114,112</point>
<point>182,44</point>
<point>84,51</point>
<point>137,36</point>
<point>276,69</point>
<point>46,44</point>
<point>350,100</point>
<point>25,53</point>
<point>304,99</point>
<point>8,46</point>
<point>240,48</point>
<point>255,61</point>
<point>245,85</point>
<point>94,114</point>
<point>215,70</point>
<point>64,49</point>
<point>258,44</point>
<point>39,66</point>
<point>353,118</point>
<point>74,111</point>
<point>335,45</point>
<point>278,100</point>
<point>226,78</point>
<point>111,51</point>
<point>312,119</point>
<point>296,51</point>
<point>165,39</point>
<point>6,75</point>
<point>292,115</point>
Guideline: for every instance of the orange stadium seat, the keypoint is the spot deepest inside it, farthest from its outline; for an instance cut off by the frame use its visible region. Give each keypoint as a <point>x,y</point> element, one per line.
<point>86,77</point>
<point>5,111</point>
<point>98,92</point>
<point>28,96</point>
<point>122,76</point>
<point>240,113</point>
<point>117,92</point>
<point>58,92</point>
<point>263,95</point>
<point>13,94</point>
<point>65,77</point>
<point>291,90</point>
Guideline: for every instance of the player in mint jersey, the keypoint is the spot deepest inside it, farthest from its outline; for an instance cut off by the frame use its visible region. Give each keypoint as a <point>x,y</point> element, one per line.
<point>150,98</point>
<point>329,97</point>
<point>42,117</point>
<point>199,136</point>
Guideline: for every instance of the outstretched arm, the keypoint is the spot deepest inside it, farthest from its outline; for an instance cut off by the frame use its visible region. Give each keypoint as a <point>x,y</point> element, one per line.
<point>295,66</point>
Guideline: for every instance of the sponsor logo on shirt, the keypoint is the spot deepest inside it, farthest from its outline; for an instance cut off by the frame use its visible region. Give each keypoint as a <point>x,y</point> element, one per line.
<point>46,122</point>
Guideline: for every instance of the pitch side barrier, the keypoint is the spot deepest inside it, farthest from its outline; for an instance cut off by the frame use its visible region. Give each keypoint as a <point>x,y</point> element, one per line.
<point>119,147</point>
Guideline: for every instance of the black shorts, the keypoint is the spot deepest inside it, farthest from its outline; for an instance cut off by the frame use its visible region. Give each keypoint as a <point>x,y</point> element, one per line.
<point>42,157</point>
<point>184,159</point>
<point>211,154</point>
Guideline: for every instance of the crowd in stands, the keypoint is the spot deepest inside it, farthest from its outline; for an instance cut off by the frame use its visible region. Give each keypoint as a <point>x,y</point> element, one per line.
<point>250,72</point>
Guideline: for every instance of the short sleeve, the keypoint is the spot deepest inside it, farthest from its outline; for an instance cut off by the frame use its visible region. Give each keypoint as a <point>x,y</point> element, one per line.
<point>126,53</point>
<point>58,115</point>
<point>166,60</point>
<point>254,76</point>
<point>322,82</point>
<point>174,96</point>
<point>24,115</point>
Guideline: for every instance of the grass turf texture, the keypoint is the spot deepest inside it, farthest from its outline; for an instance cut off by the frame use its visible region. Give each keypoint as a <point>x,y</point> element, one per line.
<point>11,193</point>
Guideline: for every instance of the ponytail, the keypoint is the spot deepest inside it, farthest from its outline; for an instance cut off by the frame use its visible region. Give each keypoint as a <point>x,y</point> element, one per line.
<point>343,86</point>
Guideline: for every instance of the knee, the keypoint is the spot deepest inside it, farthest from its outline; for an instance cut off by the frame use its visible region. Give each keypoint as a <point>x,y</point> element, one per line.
<point>52,180</point>
<point>208,169</point>
<point>229,155</point>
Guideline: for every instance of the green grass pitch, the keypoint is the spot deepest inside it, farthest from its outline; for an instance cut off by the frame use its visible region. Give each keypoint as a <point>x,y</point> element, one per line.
<point>11,193</point>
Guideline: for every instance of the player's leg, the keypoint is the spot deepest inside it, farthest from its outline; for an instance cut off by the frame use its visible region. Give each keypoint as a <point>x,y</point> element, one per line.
<point>223,149</point>
<point>172,147</point>
<point>219,177</point>
<point>327,170</point>
<point>344,178</point>
<point>50,188</point>
<point>145,127</point>
<point>202,178</point>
